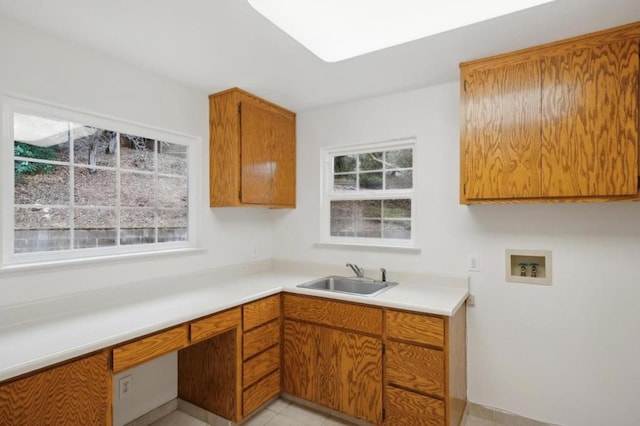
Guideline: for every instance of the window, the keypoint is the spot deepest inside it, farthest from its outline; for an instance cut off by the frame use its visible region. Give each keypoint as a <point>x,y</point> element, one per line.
<point>368,194</point>
<point>85,186</point>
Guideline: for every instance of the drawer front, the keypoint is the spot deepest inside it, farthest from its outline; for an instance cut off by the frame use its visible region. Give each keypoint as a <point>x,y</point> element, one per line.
<point>260,393</point>
<point>417,328</point>
<point>142,350</point>
<point>215,324</point>
<point>258,367</point>
<point>364,319</point>
<point>406,408</point>
<point>415,367</point>
<point>261,311</point>
<point>260,339</point>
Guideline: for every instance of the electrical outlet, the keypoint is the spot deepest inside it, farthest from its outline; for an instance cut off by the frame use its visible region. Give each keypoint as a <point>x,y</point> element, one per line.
<point>124,387</point>
<point>471,300</point>
<point>473,263</point>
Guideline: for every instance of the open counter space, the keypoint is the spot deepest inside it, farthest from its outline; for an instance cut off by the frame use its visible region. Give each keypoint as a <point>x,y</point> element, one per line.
<point>37,335</point>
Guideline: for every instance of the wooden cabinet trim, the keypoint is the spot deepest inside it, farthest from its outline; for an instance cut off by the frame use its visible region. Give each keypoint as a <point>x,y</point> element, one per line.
<point>146,348</point>
<point>215,324</point>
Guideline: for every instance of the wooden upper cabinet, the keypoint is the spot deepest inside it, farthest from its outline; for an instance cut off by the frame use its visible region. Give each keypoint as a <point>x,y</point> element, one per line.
<point>252,151</point>
<point>557,122</point>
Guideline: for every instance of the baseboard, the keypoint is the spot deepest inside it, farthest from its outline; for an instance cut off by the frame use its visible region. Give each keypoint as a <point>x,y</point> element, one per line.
<point>155,414</point>
<point>500,417</point>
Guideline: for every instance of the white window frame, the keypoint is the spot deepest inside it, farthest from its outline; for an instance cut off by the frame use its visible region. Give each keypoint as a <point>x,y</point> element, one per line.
<point>11,260</point>
<point>328,194</point>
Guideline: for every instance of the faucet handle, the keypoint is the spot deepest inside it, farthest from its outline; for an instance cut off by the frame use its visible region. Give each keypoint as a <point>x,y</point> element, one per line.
<point>384,274</point>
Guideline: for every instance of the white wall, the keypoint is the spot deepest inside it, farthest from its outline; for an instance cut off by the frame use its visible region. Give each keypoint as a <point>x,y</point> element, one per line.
<point>56,71</point>
<point>566,354</point>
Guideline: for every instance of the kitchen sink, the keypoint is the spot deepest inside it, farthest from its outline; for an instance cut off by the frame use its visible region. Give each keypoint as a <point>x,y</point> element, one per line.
<point>358,286</point>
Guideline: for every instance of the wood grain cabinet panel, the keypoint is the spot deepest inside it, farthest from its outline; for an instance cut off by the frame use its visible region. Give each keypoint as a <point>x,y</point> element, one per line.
<point>364,319</point>
<point>150,347</point>
<point>75,393</point>
<point>339,370</point>
<point>252,151</point>
<point>419,328</point>
<point>261,365</point>
<point>215,324</point>
<point>415,367</point>
<point>553,123</point>
<point>260,339</point>
<point>260,393</point>
<point>411,409</point>
<point>261,311</point>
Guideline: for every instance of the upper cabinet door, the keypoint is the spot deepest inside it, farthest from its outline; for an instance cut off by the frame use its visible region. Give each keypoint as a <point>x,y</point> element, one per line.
<point>590,126</point>
<point>500,133</point>
<point>256,136</point>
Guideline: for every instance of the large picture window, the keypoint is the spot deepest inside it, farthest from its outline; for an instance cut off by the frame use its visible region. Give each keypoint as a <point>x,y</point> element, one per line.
<point>368,194</point>
<point>84,186</point>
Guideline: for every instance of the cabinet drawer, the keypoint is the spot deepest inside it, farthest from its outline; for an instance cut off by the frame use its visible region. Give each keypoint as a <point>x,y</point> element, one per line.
<point>215,324</point>
<point>261,365</point>
<point>364,319</point>
<point>260,393</point>
<point>260,339</point>
<point>417,328</point>
<point>415,367</point>
<point>142,350</point>
<point>406,408</point>
<point>260,312</point>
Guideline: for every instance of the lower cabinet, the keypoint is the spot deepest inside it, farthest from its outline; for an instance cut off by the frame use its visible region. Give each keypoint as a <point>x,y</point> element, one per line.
<point>75,393</point>
<point>338,369</point>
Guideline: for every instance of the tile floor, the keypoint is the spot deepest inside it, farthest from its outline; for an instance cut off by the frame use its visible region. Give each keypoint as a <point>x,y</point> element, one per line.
<point>284,413</point>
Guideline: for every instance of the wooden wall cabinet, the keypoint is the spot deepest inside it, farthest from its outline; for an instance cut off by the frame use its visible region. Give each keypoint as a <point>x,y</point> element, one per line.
<point>252,151</point>
<point>74,393</point>
<point>558,122</point>
<point>339,368</point>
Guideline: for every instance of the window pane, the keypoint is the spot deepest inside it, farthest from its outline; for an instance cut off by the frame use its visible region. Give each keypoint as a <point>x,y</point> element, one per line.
<point>342,227</point>
<point>97,188</point>
<point>137,153</point>
<point>342,209</point>
<point>344,163</point>
<point>371,180</point>
<point>368,229</point>
<point>45,229</point>
<point>42,138</point>
<point>172,158</point>
<point>172,192</point>
<point>94,228</point>
<point>402,158</point>
<point>344,182</point>
<point>172,225</point>
<point>137,190</point>
<point>371,161</point>
<point>400,229</point>
<point>400,208</point>
<point>367,208</point>
<point>399,179</point>
<point>94,147</point>
<point>48,184</point>
<point>137,226</point>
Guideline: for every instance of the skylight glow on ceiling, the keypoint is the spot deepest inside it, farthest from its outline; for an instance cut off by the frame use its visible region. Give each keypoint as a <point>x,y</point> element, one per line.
<point>335,30</point>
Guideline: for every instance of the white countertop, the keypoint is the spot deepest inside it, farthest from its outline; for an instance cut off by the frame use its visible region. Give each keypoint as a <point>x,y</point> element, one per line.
<point>37,335</point>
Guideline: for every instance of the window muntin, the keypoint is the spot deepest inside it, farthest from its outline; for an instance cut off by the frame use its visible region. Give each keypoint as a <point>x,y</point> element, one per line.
<point>87,190</point>
<point>368,194</point>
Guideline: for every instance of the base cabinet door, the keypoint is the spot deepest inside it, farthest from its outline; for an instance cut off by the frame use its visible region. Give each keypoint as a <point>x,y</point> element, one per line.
<point>75,393</point>
<point>337,369</point>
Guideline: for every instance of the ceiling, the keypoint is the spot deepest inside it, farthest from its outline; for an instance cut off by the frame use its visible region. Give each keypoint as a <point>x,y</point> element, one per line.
<point>212,45</point>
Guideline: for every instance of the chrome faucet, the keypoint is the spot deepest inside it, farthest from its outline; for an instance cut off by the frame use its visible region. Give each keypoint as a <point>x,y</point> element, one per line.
<point>356,270</point>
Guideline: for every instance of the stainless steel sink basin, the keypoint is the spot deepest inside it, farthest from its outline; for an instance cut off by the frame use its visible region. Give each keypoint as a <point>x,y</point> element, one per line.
<point>359,286</point>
